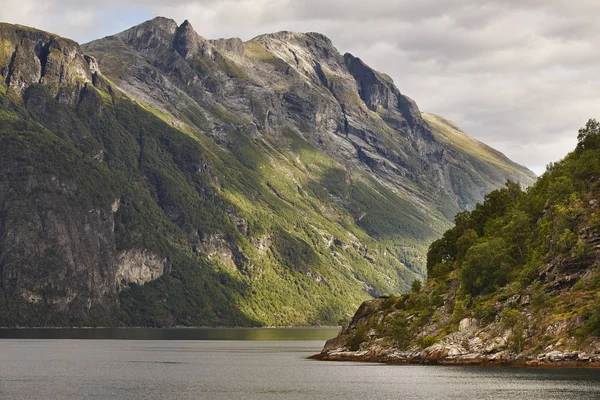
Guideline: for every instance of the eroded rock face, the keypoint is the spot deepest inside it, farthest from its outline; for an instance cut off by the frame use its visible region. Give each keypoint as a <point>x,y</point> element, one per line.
<point>297,81</point>
<point>467,324</point>
<point>138,267</point>
<point>29,56</point>
<point>54,251</point>
<point>59,250</point>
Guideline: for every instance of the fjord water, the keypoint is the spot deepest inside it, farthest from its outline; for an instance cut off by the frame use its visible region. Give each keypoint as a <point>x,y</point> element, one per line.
<point>254,369</point>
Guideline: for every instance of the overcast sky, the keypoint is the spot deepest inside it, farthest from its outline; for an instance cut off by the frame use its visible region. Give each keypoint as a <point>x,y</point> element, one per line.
<point>520,75</point>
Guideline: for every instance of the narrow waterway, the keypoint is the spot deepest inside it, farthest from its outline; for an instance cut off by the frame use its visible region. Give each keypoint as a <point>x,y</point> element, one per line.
<point>253,369</point>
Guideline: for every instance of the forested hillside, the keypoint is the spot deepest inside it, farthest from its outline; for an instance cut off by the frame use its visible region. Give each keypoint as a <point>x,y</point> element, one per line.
<point>515,280</point>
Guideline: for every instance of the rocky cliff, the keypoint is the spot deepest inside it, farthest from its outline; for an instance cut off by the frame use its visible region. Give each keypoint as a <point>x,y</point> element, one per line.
<point>300,82</point>
<point>155,177</point>
<point>514,282</point>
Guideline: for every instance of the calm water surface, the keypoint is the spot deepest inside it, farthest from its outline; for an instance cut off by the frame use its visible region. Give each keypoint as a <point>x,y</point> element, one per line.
<point>254,369</point>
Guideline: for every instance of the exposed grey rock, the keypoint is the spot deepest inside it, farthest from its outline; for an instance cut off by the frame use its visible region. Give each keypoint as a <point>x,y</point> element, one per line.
<point>139,267</point>
<point>298,81</point>
<point>467,324</point>
<point>495,345</point>
<point>30,56</point>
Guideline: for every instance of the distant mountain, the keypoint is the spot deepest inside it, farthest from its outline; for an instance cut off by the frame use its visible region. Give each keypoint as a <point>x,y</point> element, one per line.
<point>474,163</point>
<point>157,178</point>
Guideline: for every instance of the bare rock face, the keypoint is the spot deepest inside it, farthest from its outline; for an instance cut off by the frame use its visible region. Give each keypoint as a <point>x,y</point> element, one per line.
<point>233,46</point>
<point>139,267</point>
<point>52,248</point>
<point>467,324</point>
<point>299,81</point>
<point>31,56</point>
<point>378,90</point>
<point>189,44</point>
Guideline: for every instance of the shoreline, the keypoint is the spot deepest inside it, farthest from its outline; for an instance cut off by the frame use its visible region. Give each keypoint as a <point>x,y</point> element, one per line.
<point>164,327</point>
<point>462,362</point>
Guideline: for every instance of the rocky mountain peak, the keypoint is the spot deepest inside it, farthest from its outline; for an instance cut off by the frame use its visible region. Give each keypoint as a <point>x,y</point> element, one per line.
<point>378,90</point>
<point>188,43</point>
<point>158,37</point>
<point>157,24</point>
<point>312,55</point>
<point>317,45</point>
<point>150,34</point>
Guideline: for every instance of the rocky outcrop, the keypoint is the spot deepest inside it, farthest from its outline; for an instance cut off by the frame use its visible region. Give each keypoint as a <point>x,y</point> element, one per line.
<point>492,344</point>
<point>29,56</point>
<point>548,318</point>
<point>138,267</point>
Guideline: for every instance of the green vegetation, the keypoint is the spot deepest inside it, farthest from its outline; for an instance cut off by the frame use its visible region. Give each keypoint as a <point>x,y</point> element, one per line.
<point>493,264</point>
<point>505,241</point>
<point>506,238</point>
<point>181,195</point>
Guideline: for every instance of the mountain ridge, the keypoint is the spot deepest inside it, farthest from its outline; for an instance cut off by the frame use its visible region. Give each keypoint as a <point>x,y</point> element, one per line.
<point>244,183</point>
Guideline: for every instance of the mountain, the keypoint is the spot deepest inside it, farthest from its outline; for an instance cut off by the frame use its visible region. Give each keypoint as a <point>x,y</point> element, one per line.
<point>472,163</point>
<point>515,281</point>
<point>156,178</point>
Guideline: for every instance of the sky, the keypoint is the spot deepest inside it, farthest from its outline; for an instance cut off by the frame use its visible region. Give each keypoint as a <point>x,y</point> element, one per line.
<point>520,75</point>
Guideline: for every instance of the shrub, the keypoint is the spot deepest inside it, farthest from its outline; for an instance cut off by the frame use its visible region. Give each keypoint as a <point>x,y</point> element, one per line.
<point>358,337</point>
<point>582,250</point>
<point>565,241</point>
<point>399,331</point>
<point>485,313</point>
<point>539,298</point>
<point>426,341</point>
<point>513,320</point>
<point>416,286</point>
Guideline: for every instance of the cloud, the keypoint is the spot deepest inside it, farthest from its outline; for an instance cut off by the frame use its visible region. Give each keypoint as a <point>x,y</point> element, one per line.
<point>520,75</point>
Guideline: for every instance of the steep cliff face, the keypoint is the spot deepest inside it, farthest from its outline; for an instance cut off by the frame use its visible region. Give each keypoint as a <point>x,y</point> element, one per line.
<point>57,236</point>
<point>30,56</point>
<point>162,178</point>
<point>298,81</point>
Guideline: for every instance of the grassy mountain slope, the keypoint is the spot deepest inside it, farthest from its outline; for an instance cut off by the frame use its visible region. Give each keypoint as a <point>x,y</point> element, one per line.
<point>180,181</point>
<point>515,281</point>
<point>480,163</point>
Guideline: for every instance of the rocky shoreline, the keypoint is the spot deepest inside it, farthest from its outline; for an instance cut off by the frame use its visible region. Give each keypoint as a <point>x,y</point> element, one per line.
<point>554,359</point>
<point>471,343</point>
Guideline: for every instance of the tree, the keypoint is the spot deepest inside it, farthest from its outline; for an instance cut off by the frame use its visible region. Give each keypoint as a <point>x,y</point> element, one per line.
<point>486,267</point>
<point>416,286</point>
<point>589,135</point>
<point>516,231</point>
<point>464,243</point>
